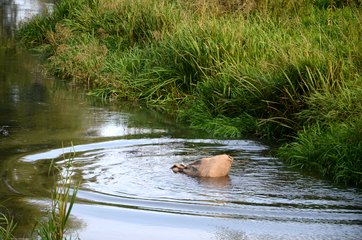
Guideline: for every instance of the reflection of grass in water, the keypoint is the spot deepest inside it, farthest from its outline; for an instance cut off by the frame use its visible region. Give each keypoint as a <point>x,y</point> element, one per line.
<point>63,196</point>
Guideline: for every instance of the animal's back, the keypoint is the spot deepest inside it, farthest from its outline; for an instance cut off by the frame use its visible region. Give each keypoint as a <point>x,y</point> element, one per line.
<point>216,166</point>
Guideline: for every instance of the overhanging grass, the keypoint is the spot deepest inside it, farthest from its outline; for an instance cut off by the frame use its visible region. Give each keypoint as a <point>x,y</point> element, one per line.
<point>232,68</point>
<point>336,150</point>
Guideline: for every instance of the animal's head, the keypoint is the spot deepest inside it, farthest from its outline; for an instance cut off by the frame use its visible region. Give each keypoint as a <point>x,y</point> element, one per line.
<point>178,168</point>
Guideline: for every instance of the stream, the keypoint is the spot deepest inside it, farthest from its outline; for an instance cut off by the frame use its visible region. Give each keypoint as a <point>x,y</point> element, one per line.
<point>123,154</point>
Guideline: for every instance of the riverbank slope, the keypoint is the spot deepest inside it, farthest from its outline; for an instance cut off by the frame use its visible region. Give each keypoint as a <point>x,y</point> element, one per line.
<point>284,71</point>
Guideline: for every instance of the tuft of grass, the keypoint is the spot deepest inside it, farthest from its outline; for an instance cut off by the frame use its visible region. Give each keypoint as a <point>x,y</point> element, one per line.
<point>336,151</point>
<point>7,227</point>
<point>63,197</point>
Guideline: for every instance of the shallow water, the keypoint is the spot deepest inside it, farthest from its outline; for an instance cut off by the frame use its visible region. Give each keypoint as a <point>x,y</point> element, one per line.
<point>122,159</point>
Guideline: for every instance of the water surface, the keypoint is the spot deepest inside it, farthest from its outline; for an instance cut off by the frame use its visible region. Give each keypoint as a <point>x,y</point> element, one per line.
<point>123,155</point>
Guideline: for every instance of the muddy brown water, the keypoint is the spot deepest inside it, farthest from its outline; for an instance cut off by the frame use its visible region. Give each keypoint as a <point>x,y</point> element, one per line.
<point>122,159</point>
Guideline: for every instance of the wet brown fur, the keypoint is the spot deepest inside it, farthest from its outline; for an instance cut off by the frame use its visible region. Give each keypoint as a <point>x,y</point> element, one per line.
<point>215,166</point>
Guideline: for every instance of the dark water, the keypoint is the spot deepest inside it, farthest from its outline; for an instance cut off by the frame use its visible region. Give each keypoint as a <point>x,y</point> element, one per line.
<point>123,155</point>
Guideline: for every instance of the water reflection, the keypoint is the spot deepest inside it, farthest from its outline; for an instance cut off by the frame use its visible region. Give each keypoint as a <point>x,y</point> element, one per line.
<point>216,183</point>
<point>123,156</point>
<point>14,12</point>
<point>116,173</point>
<point>229,234</point>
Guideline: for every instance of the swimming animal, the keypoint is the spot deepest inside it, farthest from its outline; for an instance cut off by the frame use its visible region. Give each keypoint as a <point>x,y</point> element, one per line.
<point>215,166</point>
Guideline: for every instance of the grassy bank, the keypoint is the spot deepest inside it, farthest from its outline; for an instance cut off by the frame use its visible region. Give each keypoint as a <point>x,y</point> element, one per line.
<point>278,70</point>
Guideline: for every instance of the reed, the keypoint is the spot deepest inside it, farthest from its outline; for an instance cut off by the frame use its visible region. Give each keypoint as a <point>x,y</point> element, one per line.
<point>63,197</point>
<point>7,227</point>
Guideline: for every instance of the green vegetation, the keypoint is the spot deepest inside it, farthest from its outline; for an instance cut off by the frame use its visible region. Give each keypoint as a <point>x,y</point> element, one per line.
<point>63,196</point>
<point>278,70</point>
<point>7,227</point>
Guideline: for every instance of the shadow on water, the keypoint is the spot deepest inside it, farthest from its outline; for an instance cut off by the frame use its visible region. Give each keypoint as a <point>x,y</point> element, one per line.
<point>123,158</point>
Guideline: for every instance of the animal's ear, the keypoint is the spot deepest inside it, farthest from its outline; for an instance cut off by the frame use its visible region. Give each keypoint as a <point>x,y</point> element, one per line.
<point>178,168</point>
<point>175,169</point>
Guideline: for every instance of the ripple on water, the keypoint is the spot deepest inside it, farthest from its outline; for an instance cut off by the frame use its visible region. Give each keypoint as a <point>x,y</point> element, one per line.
<point>136,174</point>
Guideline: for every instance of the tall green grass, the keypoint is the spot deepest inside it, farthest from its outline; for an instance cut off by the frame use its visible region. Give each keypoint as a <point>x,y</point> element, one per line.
<point>271,69</point>
<point>63,197</point>
<point>338,148</point>
<point>7,227</point>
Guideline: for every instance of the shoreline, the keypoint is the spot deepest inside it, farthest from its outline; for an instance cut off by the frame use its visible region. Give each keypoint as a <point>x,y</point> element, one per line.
<point>287,74</point>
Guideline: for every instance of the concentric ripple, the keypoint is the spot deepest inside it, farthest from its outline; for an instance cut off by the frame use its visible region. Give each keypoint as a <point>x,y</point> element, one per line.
<point>135,174</point>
